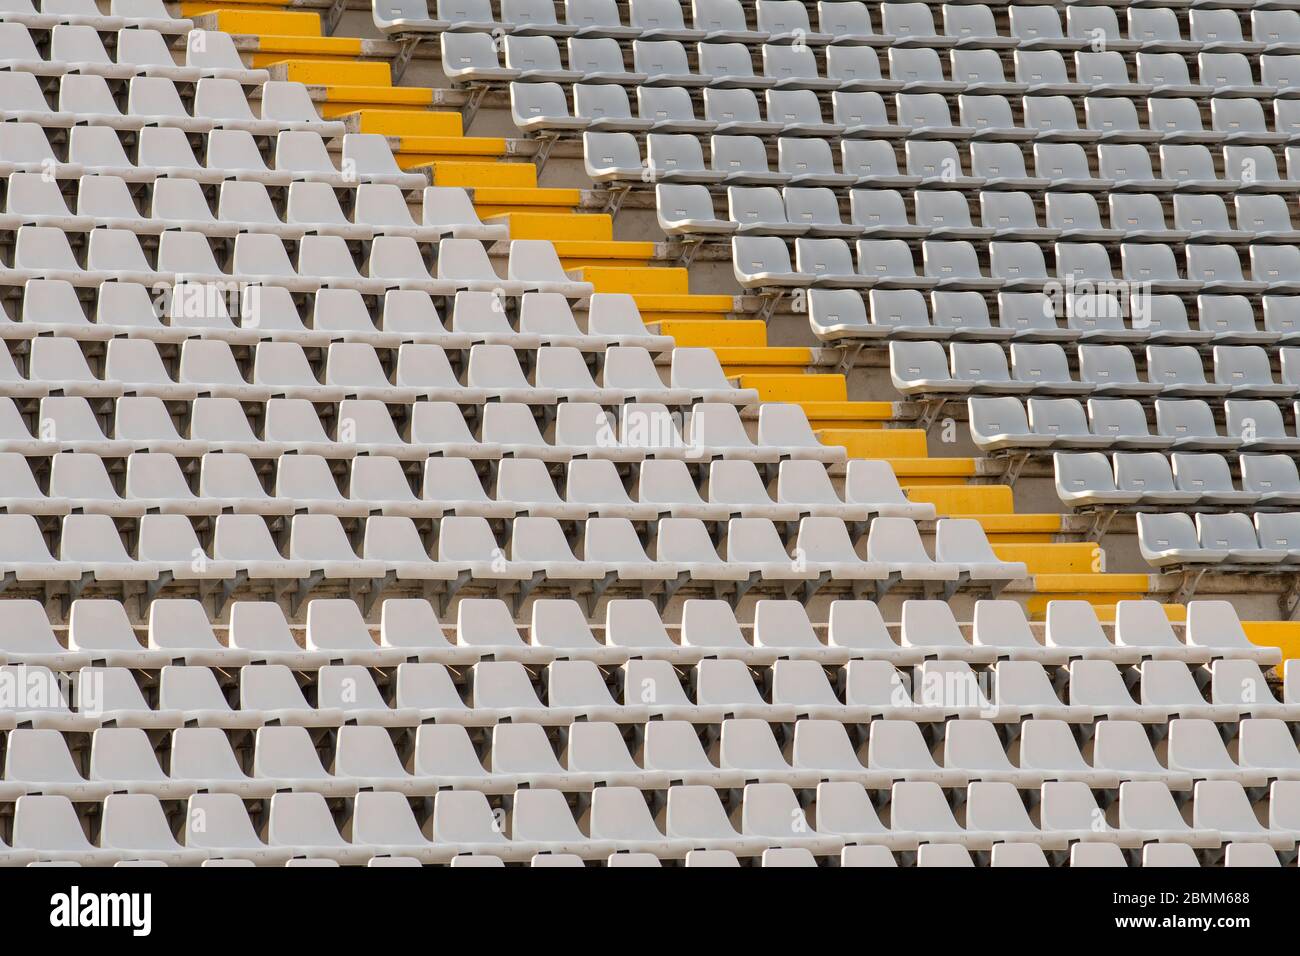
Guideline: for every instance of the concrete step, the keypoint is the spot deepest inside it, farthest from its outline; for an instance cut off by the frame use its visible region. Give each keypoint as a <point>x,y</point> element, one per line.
<point>557,227</point>
<point>877,443</point>
<point>481,174</point>
<point>964,499</point>
<point>263,23</point>
<point>791,388</point>
<point>413,152</point>
<point>668,307</point>
<point>923,470</point>
<point>405,123</point>
<point>327,72</point>
<point>1060,558</point>
<point>718,335</point>
<point>636,280</point>
<point>1096,589</point>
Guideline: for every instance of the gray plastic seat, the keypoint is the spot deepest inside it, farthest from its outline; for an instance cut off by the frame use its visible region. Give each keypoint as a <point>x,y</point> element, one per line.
<point>1247,371</point>
<point>1272,479</point>
<point>1179,372</point>
<point>1259,425</point>
<point>764,262</point>
<point>1087,480</point>
<point>809,162</point>
<point>729,65</point>
<point>1151,476</point>
<point>1169,540</point>
<point>1064,421</point>
<point>760,210</point>
<point>1111,371</point>
<point>1190,423</point>
<point>1207,476</point>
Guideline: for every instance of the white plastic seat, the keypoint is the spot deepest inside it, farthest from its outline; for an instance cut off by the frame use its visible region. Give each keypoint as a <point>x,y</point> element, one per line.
<point>202,759</point>
<point>101,629</point>
<point>1214,625</point>
<point>896,543</point>
<point>48,828</point>
<point>218,825</point>
<point>271,690</point>
<point>38,761</point>
<point>335,626</point>
<point>302,823</point>
<point>259,628</point>
<point>193,692</point>
<point>124,758</point>
<point>1148,806</point>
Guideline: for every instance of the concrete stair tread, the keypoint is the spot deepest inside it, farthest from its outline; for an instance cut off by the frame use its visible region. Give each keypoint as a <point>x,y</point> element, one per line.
<point>403,145</point>
<point>636,279</point>
<point>483,174</point>
<point>568,227</point>
<point>494,202</point>
<point>326,72</point>
<point>1061,557</point>
<point>344,98</point>
<point>780,359</point>
<point>597,251</point>
<point>834,414</point>
<point>965,498</point>
<point>876,443</point>
<point>1099,583</point>
<point>1010,524</point>
<point>718,335</point>
<point>790,388</point>
<point>263,23</point>
<point>666,306</point>
<point>918,467</point>
<point>270,51</point>
<point>406,124</point>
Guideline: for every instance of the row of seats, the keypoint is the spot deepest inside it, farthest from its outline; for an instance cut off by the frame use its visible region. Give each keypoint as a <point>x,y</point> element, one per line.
<point>596,753</point>
<point>544,108</point>
<point>688,210</point>
<point>927,855</point>
<point>156,101</point>
<point>873,691</point>
<point>357,369</point>
<point>1262,541</point>
<point>537,58</point>
<point>322,261</point>
<point>378,484</point>
<point>987,118</point>
<point>692,817</point>
<point>143,14</point>
<point>178,629</point>
<point>161,151</point>
<point>78,48</point>
<point>366,427</point>
<point>1099,314</point>
<point>536,552</point>
<point>1059,424</point>
<point>902,24</point>
<point>364,758</point>
<point>805,161</point>
<point>208,311</point>
<point>761,262</point>
<point>1150,480</point>
<point>1044,368</point>
<point>374,209</point>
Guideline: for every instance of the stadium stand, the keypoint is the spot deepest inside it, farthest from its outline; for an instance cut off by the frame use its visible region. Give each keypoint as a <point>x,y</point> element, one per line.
<point>588,433</point>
